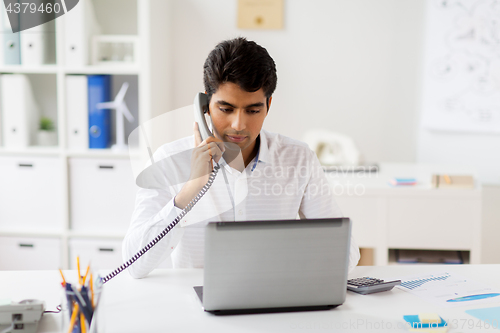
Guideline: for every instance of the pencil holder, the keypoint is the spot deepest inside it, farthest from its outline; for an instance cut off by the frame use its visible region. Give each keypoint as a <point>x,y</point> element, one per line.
<point>79,307</point>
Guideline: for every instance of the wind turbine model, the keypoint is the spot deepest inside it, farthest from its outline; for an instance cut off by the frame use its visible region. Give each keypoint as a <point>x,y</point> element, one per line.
<point>121,111</point>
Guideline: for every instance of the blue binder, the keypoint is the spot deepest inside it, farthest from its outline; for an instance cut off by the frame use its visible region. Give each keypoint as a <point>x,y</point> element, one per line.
<point>99,119</point>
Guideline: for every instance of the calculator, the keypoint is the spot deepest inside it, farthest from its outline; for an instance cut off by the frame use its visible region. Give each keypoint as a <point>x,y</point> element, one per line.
<point>368,285</point>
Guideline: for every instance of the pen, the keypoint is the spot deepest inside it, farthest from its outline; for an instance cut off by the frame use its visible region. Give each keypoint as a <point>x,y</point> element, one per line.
<point>90,310</point>
<point>69,297</point>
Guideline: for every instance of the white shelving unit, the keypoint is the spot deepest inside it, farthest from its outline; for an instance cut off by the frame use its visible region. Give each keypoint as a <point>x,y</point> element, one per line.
<point>39,200</point>
<point>416,217</point>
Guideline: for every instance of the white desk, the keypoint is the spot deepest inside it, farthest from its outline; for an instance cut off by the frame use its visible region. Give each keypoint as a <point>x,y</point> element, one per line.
<point>165,301</point>
<point>412,217</point>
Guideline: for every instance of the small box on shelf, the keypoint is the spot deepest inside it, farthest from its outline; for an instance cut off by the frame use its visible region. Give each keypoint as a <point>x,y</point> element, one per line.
<point>115,50</point>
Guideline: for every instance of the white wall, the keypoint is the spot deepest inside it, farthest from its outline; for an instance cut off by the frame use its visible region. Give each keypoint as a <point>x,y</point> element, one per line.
<point>478,151</point>
<point>350,66</point>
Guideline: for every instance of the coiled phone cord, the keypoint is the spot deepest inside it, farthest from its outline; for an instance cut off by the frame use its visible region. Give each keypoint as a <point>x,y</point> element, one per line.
<point>165,231</point>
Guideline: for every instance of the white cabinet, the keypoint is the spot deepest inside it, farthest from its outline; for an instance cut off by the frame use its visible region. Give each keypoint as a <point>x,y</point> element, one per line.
<point>367,214</point>
<point>70,194</point>
<point>446,222</point>
<point>100,253</point>
<point>102,193</point>
<point>31,194</point>
<point>412,217</point>
<point>29,253</point>
<point>103,253</point>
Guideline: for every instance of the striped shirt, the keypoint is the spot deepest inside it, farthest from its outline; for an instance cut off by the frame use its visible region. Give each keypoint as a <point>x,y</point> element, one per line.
<point>285,181</point>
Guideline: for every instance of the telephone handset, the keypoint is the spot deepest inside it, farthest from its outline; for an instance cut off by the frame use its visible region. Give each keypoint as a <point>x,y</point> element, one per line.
<point>231,150</point>
<point>200,108</point>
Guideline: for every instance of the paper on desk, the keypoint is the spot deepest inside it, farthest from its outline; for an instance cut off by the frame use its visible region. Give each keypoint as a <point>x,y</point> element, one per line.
<point>489,315</point>
<point>449,290</point>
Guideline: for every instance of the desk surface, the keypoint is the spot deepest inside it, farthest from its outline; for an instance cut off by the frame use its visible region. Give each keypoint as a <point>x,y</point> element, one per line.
<point>165,300</point>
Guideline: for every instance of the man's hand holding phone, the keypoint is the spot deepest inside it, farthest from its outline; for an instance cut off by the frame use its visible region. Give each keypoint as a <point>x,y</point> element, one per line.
<point>205,152</point>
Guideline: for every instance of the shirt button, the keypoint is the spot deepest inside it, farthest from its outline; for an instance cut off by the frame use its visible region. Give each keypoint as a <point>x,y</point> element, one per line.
<point>240,212</point>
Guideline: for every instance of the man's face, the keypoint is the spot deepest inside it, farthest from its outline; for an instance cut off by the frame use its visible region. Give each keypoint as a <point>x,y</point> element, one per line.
<point>238,115</point>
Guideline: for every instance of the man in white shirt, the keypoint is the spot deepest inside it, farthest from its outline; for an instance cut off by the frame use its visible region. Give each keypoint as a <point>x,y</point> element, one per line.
<point>272,177</point>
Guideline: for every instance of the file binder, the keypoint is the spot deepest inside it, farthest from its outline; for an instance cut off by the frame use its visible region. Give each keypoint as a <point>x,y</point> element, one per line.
<point>10,41</point>
<point>80,25</point>
<point>1,116</point>
<point>3,31</point>
<point>77,111</point>
<point>20,112</point>
<point>99,88</point>
<point>34,46</point>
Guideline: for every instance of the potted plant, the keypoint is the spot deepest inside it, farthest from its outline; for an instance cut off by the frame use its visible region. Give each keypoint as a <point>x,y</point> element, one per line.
<point>47,136</point>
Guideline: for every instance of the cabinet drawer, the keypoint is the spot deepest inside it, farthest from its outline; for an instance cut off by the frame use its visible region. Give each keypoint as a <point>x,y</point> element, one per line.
<point>100,253</point>
<point>102,194</point>
<point>31,193</point>
<point>433,223</point>
<point>366,214</point>
<point>25,253</point>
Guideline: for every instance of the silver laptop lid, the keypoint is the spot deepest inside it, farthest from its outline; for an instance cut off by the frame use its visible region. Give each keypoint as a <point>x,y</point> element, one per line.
<point>268,264</point>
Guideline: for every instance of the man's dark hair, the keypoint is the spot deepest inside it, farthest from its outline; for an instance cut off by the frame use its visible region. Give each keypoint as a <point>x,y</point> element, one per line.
<point>242,62</point>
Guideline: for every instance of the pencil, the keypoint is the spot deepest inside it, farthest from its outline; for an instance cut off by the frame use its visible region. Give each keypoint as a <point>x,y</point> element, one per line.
<point>86,273</point>
<point>64,280</point>
<point>78,268</point>
<point>447,179</point>
<point>82,323</point>
<point>73,318</point>
<point>91,282</point>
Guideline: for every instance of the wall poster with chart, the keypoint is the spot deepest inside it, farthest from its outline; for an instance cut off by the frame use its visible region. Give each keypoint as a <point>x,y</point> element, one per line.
<point>461,78</point>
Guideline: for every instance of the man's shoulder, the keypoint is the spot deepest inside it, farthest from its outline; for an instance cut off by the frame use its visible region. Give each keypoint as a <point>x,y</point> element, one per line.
<point>174,147</point>
<point>282,144</point>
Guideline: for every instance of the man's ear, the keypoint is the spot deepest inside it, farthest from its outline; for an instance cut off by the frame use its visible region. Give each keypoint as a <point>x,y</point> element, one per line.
<point>208,106</point>
<point>269,100</point>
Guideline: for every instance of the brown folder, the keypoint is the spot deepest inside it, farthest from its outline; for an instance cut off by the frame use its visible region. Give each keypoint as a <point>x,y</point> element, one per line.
<point>452,181</point>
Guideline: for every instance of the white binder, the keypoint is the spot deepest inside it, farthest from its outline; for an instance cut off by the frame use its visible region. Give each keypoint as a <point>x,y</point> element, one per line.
<point>34,46</point>
<point>3,17</point>
<point>10,42</point>
<point>80,24</point>
<point>1,116</point>
<point>20,113</point>
<point>77,112</point>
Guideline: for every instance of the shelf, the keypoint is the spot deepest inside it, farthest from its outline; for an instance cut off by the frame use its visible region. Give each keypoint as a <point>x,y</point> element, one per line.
<point>55,152</point>
<point>31,151</point>
<point>99,153</point>
<point>114,70</point>
<point>54,69</point>
<point>95,235</point>
<point>30,233</point>
<point>20,69</point>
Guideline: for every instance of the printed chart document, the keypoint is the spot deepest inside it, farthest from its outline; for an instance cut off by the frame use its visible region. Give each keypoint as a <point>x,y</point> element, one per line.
<point>449,290</point>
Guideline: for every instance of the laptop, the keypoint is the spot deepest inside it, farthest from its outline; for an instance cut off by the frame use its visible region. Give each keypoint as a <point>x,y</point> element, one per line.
<point>275,266</point>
